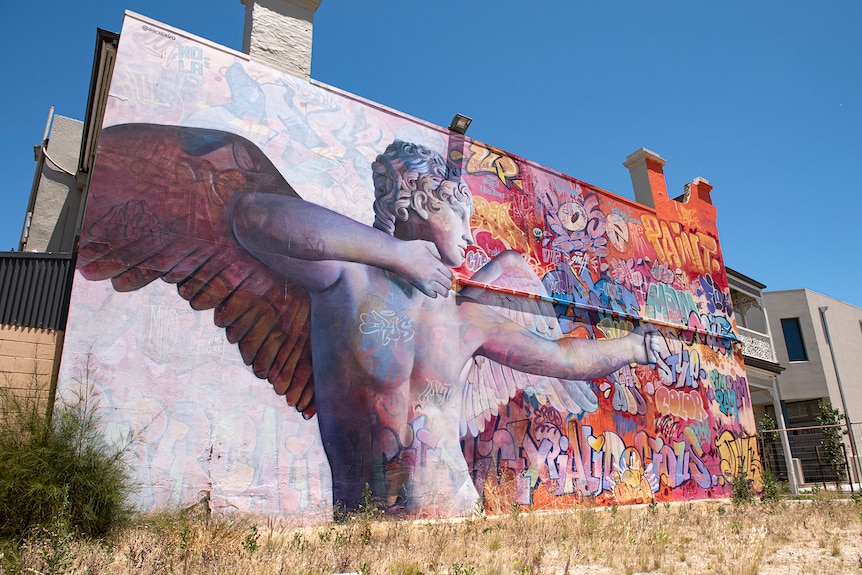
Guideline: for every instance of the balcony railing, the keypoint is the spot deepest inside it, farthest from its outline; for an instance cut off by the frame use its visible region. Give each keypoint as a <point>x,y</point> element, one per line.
<point>756,344</point>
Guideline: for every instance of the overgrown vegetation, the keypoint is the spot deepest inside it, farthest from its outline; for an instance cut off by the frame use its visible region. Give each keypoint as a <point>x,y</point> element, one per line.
<point>741,491</point>
<point>59,478</point>
<point>832,443</point>
<point>815,536</point>
<point>767,428</point>
<point>63,510</point>
<point>771,490</point>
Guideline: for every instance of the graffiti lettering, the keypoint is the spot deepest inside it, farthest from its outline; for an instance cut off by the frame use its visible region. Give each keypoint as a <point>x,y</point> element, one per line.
<point>551,256</point>
<point>729,392</point>
<point>436,392</point>
<point>699,433</point>
<point>686,405</point>
<point>475,259</point>
<point>668,304</point>
<point>701,324</point>
<point>680,248</point>
<point>192,60</point>
<point>716,299</point>
<point>627,397</point>
<point>486,190</point>
<point>579,462</point>
<point>613,296</point>
<point>583,261</point>
<point>388,325</point>
<point>683,369</point>
<point>487,160</point>
<point>739,455</point>
<point>631,483</point>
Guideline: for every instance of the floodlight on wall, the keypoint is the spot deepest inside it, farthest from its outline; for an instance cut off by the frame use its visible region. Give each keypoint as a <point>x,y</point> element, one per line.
<point>460,123</point>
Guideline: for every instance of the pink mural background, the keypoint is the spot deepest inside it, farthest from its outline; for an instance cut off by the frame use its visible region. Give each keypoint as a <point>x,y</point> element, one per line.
<point>677,426</point>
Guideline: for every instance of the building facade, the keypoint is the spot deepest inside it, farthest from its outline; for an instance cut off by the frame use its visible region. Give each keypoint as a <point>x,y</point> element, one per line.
<point>587,354</point>
<point>819,341</point>
<point>235,234</point>
<point>762,372</point>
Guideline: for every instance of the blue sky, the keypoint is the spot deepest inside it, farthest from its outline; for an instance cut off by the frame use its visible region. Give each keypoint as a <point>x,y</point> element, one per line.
<point>763,98</point>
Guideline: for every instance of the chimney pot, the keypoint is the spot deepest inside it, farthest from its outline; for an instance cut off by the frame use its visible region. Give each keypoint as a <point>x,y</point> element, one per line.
<point>278,34</point>
<point>647,173</point>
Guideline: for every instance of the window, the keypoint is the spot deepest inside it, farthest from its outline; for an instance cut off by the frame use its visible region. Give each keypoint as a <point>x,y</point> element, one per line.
<point>793,339</point>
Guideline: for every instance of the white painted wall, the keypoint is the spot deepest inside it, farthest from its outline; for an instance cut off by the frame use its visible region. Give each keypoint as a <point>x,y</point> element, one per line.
<point>55,210</point>
<point>278,34</point>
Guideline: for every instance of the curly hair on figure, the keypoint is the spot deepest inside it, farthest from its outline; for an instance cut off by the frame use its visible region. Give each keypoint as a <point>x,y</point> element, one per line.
<point>406,174</point>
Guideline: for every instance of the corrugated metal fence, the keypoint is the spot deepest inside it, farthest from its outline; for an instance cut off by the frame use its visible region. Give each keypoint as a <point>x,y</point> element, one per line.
<point>34,289</point>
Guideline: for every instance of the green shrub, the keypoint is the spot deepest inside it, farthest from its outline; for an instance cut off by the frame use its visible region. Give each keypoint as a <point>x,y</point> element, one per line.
<point>770,493</point>
<point>832,441</point>
<point>60,469</point>
<point>741,492</point>
<point>767,427</point>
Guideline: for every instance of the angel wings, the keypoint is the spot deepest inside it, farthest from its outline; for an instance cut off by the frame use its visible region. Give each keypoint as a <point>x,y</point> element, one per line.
<point>160,208</point>
<point>491,384</point>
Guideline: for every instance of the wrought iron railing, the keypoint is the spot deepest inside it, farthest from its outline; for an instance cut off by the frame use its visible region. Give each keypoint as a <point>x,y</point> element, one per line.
<point>756,344</point>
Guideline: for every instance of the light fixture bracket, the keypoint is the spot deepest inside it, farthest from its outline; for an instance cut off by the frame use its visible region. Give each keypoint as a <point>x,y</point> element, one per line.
<point>460,123</point>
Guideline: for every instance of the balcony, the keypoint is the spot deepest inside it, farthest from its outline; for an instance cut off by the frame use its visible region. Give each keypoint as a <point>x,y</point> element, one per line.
<point>756,344</point>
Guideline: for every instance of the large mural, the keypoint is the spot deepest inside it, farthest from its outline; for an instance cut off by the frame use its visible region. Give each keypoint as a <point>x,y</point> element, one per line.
<point>299,299</point>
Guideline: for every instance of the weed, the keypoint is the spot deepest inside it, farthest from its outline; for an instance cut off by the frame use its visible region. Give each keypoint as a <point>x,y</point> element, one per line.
<point>405,568</point>
<point>250,543</point>
<point>479,507</point>
<point>59,466</point>
<point>465,569</point>
<point>51,545</point>
<point>182,541</point>
<point>299,542</point>
<point>741,492</point>
<point>770,493</point>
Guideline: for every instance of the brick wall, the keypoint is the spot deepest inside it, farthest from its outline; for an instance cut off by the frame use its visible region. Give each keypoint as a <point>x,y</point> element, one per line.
<point>27,360</point>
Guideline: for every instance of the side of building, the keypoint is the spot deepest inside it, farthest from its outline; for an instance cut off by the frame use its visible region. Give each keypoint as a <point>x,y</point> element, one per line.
<point>33,310</point>
<point>819,341</point>
<point>671,418</point>
<point>762,370</point>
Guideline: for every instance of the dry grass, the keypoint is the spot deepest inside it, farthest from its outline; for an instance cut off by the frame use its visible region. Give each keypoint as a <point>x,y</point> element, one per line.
<point>817,536</point>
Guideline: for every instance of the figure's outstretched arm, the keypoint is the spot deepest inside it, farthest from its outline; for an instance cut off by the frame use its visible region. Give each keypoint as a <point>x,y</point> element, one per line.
<point>510,344</point>
<point>310,244</point>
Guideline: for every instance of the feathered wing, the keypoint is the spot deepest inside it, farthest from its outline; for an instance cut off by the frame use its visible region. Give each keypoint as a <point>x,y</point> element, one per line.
<point>491,384</point>
<point>159,207</point>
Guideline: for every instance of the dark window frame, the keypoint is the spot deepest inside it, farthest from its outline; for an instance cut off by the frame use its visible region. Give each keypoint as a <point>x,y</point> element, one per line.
<point>793,340</point>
